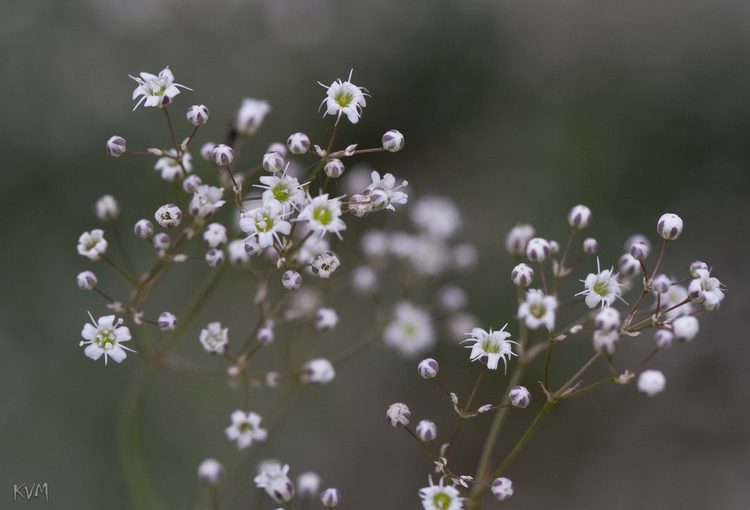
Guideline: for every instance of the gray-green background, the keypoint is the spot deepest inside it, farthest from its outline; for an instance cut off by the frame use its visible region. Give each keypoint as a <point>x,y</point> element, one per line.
<point>515,109</point>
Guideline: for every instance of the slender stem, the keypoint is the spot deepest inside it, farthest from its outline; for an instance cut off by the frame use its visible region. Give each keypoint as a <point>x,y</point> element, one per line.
<point>171,131</point>
<point>122,247</point>
<point>577,375</point>
<point>429,453</point>
<point>462,420</point>
<point>590,387</point>
<point>119,270</point>
<point>214,495</point>
<point>547,360</point>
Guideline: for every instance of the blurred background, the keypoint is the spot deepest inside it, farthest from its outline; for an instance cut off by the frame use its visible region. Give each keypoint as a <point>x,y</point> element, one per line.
<point>517,110</point>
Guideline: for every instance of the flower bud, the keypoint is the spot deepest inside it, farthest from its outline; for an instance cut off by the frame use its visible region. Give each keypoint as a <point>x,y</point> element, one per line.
<point>330,497</point>
<point>696,267</point>
<point>215,235</point>
<point>669,226</point>
<point>685,328</point>
<point>628,265</point>
<point>116,146</point>
<point>607,319</point>
<point>326,319</point>
<point>605,341</point>
<point>651,382</point>
<point>590,246</point>
<point>360,205</point>
<point>538,249</point>
<point>210,471</point>
<point>207,151</point>
<point>522,275</point>
<point>661,283</point>
<point>640,250</point>
<point>518,238</point>
<point>298,143</point>
<point>168,216</point>
<point>191,182</point>
<point>222,155</point>
<point>143,229</point>
<point>214,257</point>
<point>273,162</point>
<point>393,140</point>
<point>579,217</point>
<point>663,338</point>
<point>291,280</point>
<point>519,396</point>
<point>167,321</point>
<point>252,245</point>
<point>428,368</point>
<point>502,488</point>
<point>398,414</point>
<point>86,280</point>
<point>197,114</point>
<point>318,371</point>
<point>324,264</point>
<point>161,241</point>
<point>265,335</point>
<point>554,246</point>
<point>308,484</point>
<point>636,238</point>
<point>426,430</point>
<point>107,208</point>
<point>334,168</point>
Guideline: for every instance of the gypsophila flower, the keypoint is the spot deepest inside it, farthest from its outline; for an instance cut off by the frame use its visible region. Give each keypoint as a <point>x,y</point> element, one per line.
<point>323,215</point>
<point>685,328</point>
<point>245,429</point>
<point>426,430</point>
<point>268,465</point>
<point>651,382</point>
<point>143,229</point>
<point>197,114</point>
<point>360,205</point>
<point>374,243</point>
<point>324,264</point>
<point>161,241</point>
<point>538,310</point>
<point>600,288</point>
<point>675,301</point>
<point>207,151</point>
<point>519,396</point>
<point>451,298</point>
<point>167,321</point>
<point>330,497</point>
<point>554,246</point>
<point>502,488</point>
<point>696,266</point>
<point>441,497</point>
<point>364,279</point>
<point>517,239</point>
<point>265,334</point>
<point>284,189</point>
<point>629,265</point>
<point>458,324</point>
<point>538,249</point>
<point>522,275</point>
<point>318,371</point>
<point>579,217</point>
<point>590,246</point>
<point>398,414</point>
<point>384,193</point>
<point>706,290</point>
<point>438,216</point>
<point>663,338</point>
<point>210,471</point>
<point>214,338</point>
<point>343,97</point>
<point>215,235</point>
<point>311,247</point>
<point>428,368</point>
<point>249,117</point>
<point>105,336</point>
<point>334,168</point>
<point>173,167</point>
<point>92,244</point>
<point>291,279</point>
<point>669,226</point>
<point>661,283</point>
<point>267,223</point>
<point>298,143</point>
<point>273,162</point>
<point>107,208</point>
<point>214,257</point>
<point>489,347</point>
<point>410,331</point>
<point>605,341</point>
<point>86,280</point>
<point>168,216</point>
<point>116,146</point>
<point>607,319</point>
<point>222,155</point>
<point>206,200</point>
<point>237,253</point>
<point>308,484</point>
<point>326,319</point>
<point>156,90</point>
<point>640,250</point>
<point>276,481</point>
<point>393,140</point>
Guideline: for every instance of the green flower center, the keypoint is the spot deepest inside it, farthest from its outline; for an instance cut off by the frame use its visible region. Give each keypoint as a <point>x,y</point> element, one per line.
<point>409,330</point>
<point>280,192</point>
<point>264,224</point>
<point>442,500</point>
<point>601,288</point>
<point>490,347</point>
<point>343,99</point>
<point>322,215</point>
<point>246,427</point>
<point>106,337</point>
<point>537,310</point>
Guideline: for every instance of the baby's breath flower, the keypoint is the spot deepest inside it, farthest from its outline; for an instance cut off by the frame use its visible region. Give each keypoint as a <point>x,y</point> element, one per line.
<point>86,280</point>
<point>393,140</point>
<point>384,192</point>
<point>156,90</point>
<point>437,216</point>
<point>706,290</point>
<point>206,200</point>
<point>273,162</point>
<point>318,371</point>
<point>669,226</point>
<point>590,246</point>
<point>517,239</point>
<point>522,275</point>
<point>324,264</point>
<point>92,244</point>
<point>266,223</point>
<point>364,279</point>
<point>441,497</point>
<point>334,168</point>
<point>168,216</point>
<point>663,338</point>
<point>661,283</point>
<point>116,146</point>
<point>696,266</point>
<point>410,330</point>
<point>222,155</point>
<point>326,319</point>
<point>398,414</point>
<point>191,183</point>
<point>298,143</point>
<point>214,257</point>
<point>105,336</point>
<point>490,347</point>
<point>207,151</point>
<point>215,235</point>
<point>502,488</point>
<point>249,117</point>
<point>167,321</point>
<point>245,429</point>
<point>538,310</point>
<point>600,288</point>
<point>451,298</point>
<point>651,382</point>
<point>636,238</point>
<point>173,167</point>
<point>237,253</point>
<point>519,396</point>
<point>308,484</point>
<point>107,208</point>
<point>426,430</point>
<point>291,279</point>
<point>284,189</point>
<point>143,229</point>
<point>197,114</point>
<point>330,497</point>
<point>343,97</point>
<point>605,341</point>
<point>276,481</point>
<point>323,215</point>
<point>607,319</point>
<point>210,471</point>
<point>428,368</point>
<point>685,328</point>
<point>629,265</point>
<point>161,241</point>
<point>214,338</point>
<point>538,249</point>
<point>640,250</point>
<point>579,217</point>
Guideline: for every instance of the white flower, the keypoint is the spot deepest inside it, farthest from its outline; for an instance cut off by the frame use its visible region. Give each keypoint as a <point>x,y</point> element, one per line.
<point>250,116</point>
<point>519,396</point>
<point>86,280</point>
<point>210,470</point>
<point>324,264</point>
<point>116,146</point>
<point>605,341</point>
<point>518,238</point>
<point>601,288</point>
<point>214,338</point>
<point>92,245</point>
<point>330,497</point>
<point>538,310</point>
<point>237,253</point>
<point>323,215</point>
<point>312,247</point>
<point>107,208</point>
<point>579,217</point>
<point>298,143</point>
<point>168,216</point>
<point>706,290</point>
<point>326,319</point>
<point>502,488</point>
<point>651,382</point>
<point>143,229</point>
<point>490,347</point>
<point>156,90</point>
<point>384,192</point>
<point>291,279</point>
<point>429,256</point>
<point>428,368</point>
<point>538,249</point>
<point>173,167</point>
<point>105,336</point>
<point>273,162</point>
<point>607,319</point>
<point>441,497</point>
<point>343,97</point>
<point>685,328</point>
<point>222,155</point>
<point>318,371</point>
<point>522,275</point>
<point>364,279</point>
<point>438,216</point>
<point>275,480</point>
<point>398,414</point>
<point>215,235</point>
<point>308,484</point>
<point>410,331</point>
<point>669,226</point>
<point>206,200</point>
<point>393,140</point>
<point>426,430</point>
<point>284,189</point>
<point>266,223</point>
<point>245,429</point>
<point>167,321</point>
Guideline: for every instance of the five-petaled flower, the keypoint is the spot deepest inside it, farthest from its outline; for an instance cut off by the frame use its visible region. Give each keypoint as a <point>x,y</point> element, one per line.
<point>156,90</point>
<point>105,336</point>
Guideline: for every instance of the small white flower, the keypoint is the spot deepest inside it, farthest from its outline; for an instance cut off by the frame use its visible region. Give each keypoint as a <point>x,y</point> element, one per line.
<point>308,484</point>
<point>206,200</point>
<point>502,488</point>
<point>330,497</point>
<point>273,162</point>
<point>343,97</point>
<point>143,229</point>
<point>223,155</point>
<point>600,288</point>
<point>538,249</point>
<point>393,140</point>
<point>490,347</point>
<point>215,235</point>
<point>214,257</point>
<point>107,208</point>
<point>105,336</point>
<point>86,280</point>
<point>663,338</point>
<point>334,168</point>
<point>590,246</point>
<point>250,115</point>
<point>685,328</point>
<point>237,253</point>
<point>538,310</point>
<point>669,226</point>
<point>92,245</point>
<point>661,283</point>
<point>311,248</point>
<point>323,215</point>
<point>426,430</point>
<point>428,368</point>
<point>384,192</point>
<point>651,382</point>
<point>519,396</point>
<point>640,250</point>
<point>168,216</point>
<point>579,217</point>
<point>441,497</point>
<point>298,143</point>
<point>210,470</point>
<point>197,114</point>
<point>324,264</point>
<point>605,341</point>
<point>161,241</point>
<point>266,223</point>
<point>167,321</point>
<point>284,189</point>
<point>706,290</point>
<point>291,279</point>
<point>326,319</point>
<point>398,414</point>
<point>522,275</point>
<point>607,319</point>
<point>318,371</point>
<point>628,264</point>
<point>275,480</point>
<point>173,167</point>
<point>438,216</point>
<point>410,331</point>
<point>214,338</point>
<point>156,90</point>
<point>364,279</point>
<point>245,429</point>
<point>517,239</point>
<point>116,146</point>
